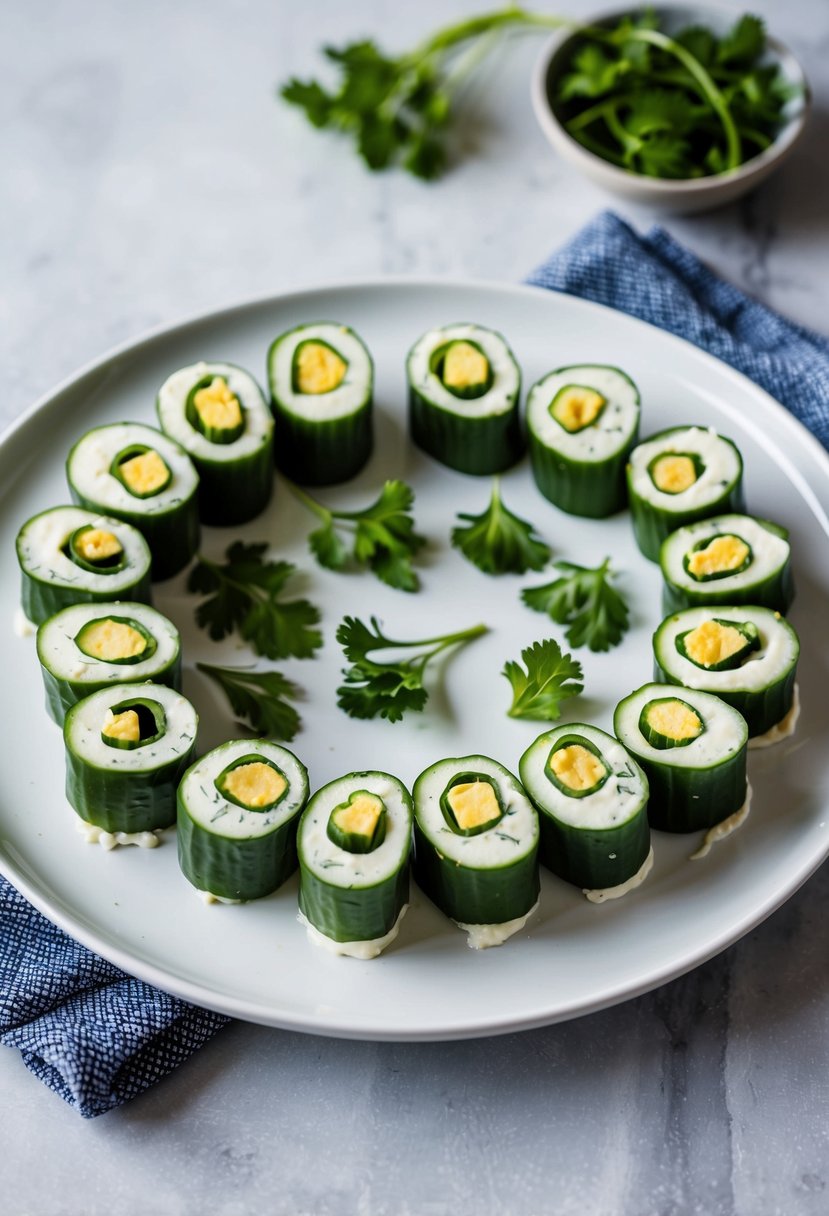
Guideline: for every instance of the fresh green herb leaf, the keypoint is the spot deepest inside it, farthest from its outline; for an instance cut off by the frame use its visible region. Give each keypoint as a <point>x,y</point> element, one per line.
<point>382,536</point>
<point>586,600</point>
<point>243,595</point>
<point>260,698</point>
<point>593,73</point>
<point>550,678</point>
<point>499,542</point>
<point>387,689</point>
<point>744,43</point>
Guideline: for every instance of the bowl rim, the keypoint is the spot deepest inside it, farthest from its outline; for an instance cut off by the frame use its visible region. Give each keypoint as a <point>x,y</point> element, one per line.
<point>561,139</point>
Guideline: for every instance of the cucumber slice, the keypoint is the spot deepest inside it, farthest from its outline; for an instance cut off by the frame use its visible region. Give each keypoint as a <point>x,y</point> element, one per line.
<point>699,783</point>
<point>238,809</point>
<point>157,495</point>
<point>728,559</point>
<point>487,878</point>
<point>218,414</point>
<point>128,789</point>
<point>593,815</point>
<point>322,383</point>
<point>464,384</point>
<point>58,562</point>
<point>745,654</point>
<point>582,422</point>
<point>67,643</point>
<point>353,901</point>
<point>678,476</point>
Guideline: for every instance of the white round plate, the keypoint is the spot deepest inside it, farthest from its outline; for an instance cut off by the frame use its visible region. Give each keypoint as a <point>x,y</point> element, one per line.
<point>254,961</point>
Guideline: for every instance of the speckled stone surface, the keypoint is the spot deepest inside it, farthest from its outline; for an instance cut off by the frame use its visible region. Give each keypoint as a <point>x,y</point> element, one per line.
<point>149,174</point>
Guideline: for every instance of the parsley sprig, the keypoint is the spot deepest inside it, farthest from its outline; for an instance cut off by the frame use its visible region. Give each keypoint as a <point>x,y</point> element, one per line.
<point>260,698</point>
<point>662,106</point>
<point>388,689</point>
<point>585,599</point>
<point>381,537</point>
<point>243,594</point>
<point>499,542</point>
<point>550,678</point>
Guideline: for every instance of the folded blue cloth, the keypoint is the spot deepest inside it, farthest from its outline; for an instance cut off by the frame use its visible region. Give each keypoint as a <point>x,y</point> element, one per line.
<point>655,278</point>
<point>97,1036</point>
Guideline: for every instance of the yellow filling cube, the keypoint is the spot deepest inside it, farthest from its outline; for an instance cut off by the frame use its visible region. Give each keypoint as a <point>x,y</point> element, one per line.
<point>96,545</point>
<point>674,473</point>
<point>675,720</point>
<point>711,643</point>
<point>722,554</point>
<point>576,407</point>
<point>255,784</point>
<point>360,816</point>
<point>107,640</point>
<point>473,803</point>
<point>145,474</point>
<point>124,726</point>
<point>319,369</point>
<point>577,767</point>
<point>464,366</point>
<point>217,407</point>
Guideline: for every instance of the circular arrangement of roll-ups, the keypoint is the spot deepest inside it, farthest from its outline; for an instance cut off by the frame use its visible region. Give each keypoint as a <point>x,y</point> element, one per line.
<point>471,832</point>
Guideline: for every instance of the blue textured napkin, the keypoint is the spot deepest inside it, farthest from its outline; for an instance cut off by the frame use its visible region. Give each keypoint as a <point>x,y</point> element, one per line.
<point>655,278</point>
<point>97,1036</point>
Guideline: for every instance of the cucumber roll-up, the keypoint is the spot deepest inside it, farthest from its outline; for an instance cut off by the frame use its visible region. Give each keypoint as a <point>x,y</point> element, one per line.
<point>592,803</point>
<point>729,559</point>
<point>692,746</point>
<point>746,655</point>
<point>217,412</point>
<point>679,476</point>
<point>238,809</point>
<point>68,555</point>
<point>582,422</point>
<point>137,474</point>
<point>322,384</point>
<point>354,842</point>
<point>89,646</point>
<point>126,749</point>
<point>476,847</point>
<point>464,385</point>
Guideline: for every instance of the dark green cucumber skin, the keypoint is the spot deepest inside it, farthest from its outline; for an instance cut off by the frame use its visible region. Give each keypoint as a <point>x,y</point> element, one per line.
<point>61,694</point>
<point>120,801</point>
<point>652,525</point>
<point>353,914</point>
<point>761,709</point>
<point>322,453</point>
<point>593,489</point>
<point>173,535</point>
<point>775,592</point>
<point>236,869</point>
<point>476,896</point>
<point>40,599</point>
<point>581,855</point>
<point>234,492</point>
<point>693,799</point>
<point>478,446</point>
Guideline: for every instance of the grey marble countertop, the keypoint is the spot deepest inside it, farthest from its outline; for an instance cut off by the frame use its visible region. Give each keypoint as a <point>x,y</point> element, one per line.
<point>149,174</point>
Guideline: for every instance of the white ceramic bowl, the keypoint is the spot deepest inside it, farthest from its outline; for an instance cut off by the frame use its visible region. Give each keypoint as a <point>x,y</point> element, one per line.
<point>696,194</point>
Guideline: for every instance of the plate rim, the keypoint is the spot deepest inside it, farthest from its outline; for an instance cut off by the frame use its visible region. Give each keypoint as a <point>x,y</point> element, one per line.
<point>327,1025</point>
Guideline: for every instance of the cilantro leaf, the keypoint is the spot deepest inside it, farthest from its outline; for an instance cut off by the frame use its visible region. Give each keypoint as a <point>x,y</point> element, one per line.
<point>550,678</point>
<point>593,73</point>
<point>258,697</point>
<point>382,535</point>
<point>584,599</point>
<point>499,542</point>
<point>744,43</point>
<point>243,596</point>
<point>658,110</point>
<point>392,688</point>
